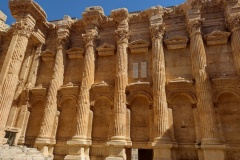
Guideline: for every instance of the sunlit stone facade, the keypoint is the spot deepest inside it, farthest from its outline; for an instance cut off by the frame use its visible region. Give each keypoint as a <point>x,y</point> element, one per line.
<point>164,81</point>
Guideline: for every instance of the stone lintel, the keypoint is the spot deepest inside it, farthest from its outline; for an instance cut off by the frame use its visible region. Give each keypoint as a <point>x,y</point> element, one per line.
<point>139,46</point>
<point>176,42</point>
<point>75,53</point>
<point>106,50</point>
<point>217,38</point>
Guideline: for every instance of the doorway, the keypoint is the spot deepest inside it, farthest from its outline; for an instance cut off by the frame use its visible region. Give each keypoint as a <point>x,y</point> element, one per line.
<point>139,154</point>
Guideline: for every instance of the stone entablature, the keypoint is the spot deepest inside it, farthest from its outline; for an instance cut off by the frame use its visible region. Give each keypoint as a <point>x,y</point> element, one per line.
<point>163,79</point>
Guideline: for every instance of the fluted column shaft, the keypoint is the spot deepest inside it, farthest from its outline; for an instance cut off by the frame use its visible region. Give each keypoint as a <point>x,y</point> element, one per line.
<point>235,42</point>
<point>83,108</point>
<point>50,110</point>
<point>159,79</point>
<point>121,81</point>
<point>15,55</point>
<point>203,86</point>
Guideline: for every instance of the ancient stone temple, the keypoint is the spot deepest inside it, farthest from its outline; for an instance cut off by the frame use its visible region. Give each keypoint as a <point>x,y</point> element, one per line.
<point>162,82</point>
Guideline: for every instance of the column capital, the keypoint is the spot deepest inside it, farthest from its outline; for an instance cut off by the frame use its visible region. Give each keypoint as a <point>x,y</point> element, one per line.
<point>157,31</point>
<point>63,32</point>
<point>233,22</point>
<point>90,36</point>
<point>121,17</point>
<point>194,26</point>
<point>25,26</point>
<point>122,35</point>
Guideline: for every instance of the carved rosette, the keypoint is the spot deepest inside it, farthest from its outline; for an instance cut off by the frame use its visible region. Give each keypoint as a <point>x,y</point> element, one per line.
<point>194,26</point>
<point>157,31</point>
<point>122,35</point>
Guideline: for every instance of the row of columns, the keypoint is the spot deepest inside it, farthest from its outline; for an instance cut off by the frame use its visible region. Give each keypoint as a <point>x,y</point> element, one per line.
<point>80,142</point>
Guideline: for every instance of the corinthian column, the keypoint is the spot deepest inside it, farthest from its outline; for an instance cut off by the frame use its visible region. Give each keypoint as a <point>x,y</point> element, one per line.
<point>11,68</point>
<point>233,23</point>
<point>212,150</point>
<point>45,136</point>
<point>162,145</point>
<point>83,109</point>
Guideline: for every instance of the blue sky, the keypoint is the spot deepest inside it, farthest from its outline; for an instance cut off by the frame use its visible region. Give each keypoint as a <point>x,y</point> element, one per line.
<point>56,9</point>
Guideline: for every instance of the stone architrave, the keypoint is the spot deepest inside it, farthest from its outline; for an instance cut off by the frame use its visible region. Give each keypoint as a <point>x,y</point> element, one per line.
<point>12,66</point>
<point>45,138</point>
<point>212,149</point>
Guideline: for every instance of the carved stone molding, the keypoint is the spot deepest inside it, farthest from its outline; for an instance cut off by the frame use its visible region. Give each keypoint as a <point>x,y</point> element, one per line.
<point>233,21</point>
<point>121,17</point>
<point>66,92</point>
<point>217,38</point>
<point>176,42</point>
<point>101,89</point>
<point>139,46</point>
<point>93,16</point>
<point>226,82</point>
<point>75,53</point>
<point>180,83</point>
<point>106,50</point>
<point>38,93</point>
<point>48,55</point>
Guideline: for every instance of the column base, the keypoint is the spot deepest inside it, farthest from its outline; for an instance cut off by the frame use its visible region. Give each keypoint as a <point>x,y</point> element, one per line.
<point>117,149</point>
<point>162,150</point>
<point>45,146</point>
<point>213,152</point>
<point>78,149</point>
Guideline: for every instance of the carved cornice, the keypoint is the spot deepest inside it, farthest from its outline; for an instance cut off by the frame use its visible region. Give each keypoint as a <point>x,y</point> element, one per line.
<point>90,37</point>
<point>217,38</point>
<point>157,31</point>
<point>139,46</point>
<point>176,42</point>
<point>38,93</point>
<point>122,35</point>
<point>180,83</point>
<point>93,16</point>
<point>106,50</point>
<point>21,7</point>
<point>75,53</point>
<point>66,92</point>
<point>48,55</point>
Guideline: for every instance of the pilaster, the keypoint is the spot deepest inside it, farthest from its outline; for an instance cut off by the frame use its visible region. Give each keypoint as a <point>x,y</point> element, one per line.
<point>9,74</point>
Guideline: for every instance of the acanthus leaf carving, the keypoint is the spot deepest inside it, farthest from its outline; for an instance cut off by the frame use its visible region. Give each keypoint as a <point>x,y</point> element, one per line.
<point>194,26</point>
<point>157,31</point>
<point>90,36</point>
<point>122,35</point>
<point>22,28</point>
<point>233,22</point>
